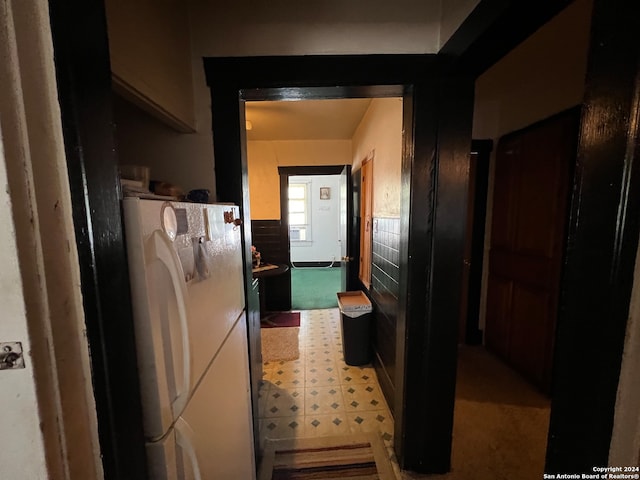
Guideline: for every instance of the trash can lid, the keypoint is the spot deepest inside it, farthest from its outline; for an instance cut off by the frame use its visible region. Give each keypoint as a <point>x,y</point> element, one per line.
<point>354,302</point>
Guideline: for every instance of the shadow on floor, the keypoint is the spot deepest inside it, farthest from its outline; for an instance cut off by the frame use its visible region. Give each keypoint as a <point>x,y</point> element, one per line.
<point>500,423</point>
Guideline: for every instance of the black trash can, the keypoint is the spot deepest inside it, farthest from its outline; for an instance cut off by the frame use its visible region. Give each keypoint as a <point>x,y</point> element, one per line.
<point>355,310</point>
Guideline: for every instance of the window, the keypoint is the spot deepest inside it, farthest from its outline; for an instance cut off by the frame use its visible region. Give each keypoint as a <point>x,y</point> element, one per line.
<point>299,212</point>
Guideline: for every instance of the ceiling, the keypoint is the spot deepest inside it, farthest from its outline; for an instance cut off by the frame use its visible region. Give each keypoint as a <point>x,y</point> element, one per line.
<point>305,119</point>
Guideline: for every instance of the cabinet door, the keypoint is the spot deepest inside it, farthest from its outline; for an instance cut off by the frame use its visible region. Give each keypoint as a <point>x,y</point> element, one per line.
<point>530,202</point>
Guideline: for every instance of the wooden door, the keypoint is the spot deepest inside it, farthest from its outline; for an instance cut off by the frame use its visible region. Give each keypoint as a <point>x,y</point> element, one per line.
<point>531,192</point>
<point>366,216</point>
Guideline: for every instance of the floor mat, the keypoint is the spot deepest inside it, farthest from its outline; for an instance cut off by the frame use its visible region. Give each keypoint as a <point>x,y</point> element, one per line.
<point>281,319</point>
<point>360,456</point>
<point>314,288</point>
<point>279,344</point>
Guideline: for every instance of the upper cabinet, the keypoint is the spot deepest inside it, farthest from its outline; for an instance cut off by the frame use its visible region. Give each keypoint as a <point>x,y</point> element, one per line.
<point>151,58</point>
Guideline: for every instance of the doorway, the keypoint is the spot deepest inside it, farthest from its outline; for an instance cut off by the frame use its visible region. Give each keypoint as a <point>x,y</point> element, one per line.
<point>422,435</point>
<point>316,234</point>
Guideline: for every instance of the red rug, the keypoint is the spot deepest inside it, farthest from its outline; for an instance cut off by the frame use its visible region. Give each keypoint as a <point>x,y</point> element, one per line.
<point>281,319</point>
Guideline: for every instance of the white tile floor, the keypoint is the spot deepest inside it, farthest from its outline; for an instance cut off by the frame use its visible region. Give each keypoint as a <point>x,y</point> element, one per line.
<point>319,394</point>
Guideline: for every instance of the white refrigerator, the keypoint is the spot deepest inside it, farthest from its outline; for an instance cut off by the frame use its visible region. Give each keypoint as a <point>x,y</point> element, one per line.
<point>186,271</point>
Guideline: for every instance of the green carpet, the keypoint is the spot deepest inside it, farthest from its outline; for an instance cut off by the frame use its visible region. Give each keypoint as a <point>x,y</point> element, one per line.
<point>313,288</point>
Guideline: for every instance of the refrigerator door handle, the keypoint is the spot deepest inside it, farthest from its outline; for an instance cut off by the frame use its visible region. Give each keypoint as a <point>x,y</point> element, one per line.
<point>162,249</point>
<point>184,438</point>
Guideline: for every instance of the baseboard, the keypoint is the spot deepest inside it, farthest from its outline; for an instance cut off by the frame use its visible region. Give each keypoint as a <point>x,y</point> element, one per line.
<point>326,264</point>
<point>386,385</point>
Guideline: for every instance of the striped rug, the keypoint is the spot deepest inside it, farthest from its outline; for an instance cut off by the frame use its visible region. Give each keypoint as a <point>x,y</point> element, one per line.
<point>354,457</point>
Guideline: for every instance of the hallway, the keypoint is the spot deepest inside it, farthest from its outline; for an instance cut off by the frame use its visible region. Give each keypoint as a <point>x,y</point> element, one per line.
<point>318,394</point>
<point>500,424</point>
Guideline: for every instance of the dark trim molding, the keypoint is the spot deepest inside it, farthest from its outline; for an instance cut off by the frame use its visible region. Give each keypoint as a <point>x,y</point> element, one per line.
<point>482,149</point>
<point>602,246</point>
<point>493,29</point>
<point>434,184</point>
<point>423,410</point>
<point>311,170</point>
<point>83,75</point>
<point>327,264</point>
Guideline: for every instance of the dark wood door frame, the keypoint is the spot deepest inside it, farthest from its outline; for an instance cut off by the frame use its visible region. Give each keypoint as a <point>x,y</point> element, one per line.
<point>79,33</point>
<point>424,400</point>
<point>601,247</point>
<point>482,150</point>
<point>604,219</point>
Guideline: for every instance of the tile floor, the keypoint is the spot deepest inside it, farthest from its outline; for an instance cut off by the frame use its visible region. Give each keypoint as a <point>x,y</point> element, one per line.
<point>319,394</point>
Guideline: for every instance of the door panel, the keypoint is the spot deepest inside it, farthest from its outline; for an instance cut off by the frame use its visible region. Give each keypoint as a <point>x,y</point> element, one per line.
<point>505,184</point>
<point>531,192</point>
<point>498,302</point>
<point>530,309</point>
<point>542,179</point>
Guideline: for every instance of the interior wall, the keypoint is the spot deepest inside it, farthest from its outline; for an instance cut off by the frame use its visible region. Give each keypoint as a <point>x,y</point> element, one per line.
<point>325,221</point>
<point>172,156</point>
<point>625,438</point>
<point>381,132</point>
<point>22,450</point>
<point>453,14</point>
<point>288,27</point>
<point>544,75</point>
<point>149,47</point>
<point>47,408</point>
<point>264,158</point>
<point>294,28</point>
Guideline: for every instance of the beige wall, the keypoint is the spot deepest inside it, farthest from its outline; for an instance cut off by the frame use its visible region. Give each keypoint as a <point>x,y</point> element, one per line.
<point>47,410</point>
<point>625,439</point>
<point>264,158</point>
<point>150,48</point>
<point>544,75</point>
<point>453,14</point>
<point>172,156</point>
<point>381,131</point>
<point>289,27</point>
<point>294,28</point>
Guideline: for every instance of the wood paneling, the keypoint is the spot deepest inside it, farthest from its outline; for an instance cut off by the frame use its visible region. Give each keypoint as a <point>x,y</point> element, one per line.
<point>498,311</point>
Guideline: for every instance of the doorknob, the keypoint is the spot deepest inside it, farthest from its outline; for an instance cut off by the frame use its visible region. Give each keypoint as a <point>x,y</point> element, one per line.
<point>346,259</point>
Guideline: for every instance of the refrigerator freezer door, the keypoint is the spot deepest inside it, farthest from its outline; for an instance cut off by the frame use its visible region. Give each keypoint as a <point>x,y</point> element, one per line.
<point>161,312</point>
<point>213,439</point>
<point>160,248</point>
